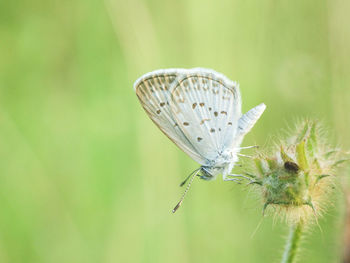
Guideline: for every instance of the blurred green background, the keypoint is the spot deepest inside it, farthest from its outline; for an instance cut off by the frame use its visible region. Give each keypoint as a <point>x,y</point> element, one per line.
<point>85,176</point>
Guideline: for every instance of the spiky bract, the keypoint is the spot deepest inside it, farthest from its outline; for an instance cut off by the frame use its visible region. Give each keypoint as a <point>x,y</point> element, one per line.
<point>298,177</point>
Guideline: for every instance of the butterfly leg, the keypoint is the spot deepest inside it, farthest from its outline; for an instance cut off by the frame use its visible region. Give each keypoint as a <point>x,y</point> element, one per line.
<point>249,147</point>
<point>250,178</point>
<point>238,181</point>
<point>240,176</point>
<point>244,155</point>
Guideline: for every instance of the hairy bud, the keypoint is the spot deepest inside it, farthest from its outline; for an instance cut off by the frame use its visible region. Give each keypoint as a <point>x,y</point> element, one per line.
<point>297,178</point>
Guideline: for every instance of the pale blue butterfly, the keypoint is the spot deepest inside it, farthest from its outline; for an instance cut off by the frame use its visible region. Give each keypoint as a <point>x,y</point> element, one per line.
<point>200,111</point>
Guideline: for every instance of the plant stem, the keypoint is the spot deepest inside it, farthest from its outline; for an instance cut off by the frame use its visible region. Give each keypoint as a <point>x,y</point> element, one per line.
<point>293,241</point>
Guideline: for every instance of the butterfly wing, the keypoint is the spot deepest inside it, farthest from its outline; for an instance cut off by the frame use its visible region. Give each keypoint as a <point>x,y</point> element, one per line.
<point>248,120</point>
<point>207,106</point>
<point>154,91</point>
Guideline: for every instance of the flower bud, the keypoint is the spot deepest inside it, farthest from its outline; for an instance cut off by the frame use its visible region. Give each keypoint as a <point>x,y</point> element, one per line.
<point>297,178</point>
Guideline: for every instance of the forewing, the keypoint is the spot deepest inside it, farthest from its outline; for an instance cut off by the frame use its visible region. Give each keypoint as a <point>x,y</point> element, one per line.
<point>153,90</point>
<point>206,105</point>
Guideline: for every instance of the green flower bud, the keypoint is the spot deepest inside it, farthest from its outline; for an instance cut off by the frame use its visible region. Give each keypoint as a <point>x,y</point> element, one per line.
<point>297,179</point>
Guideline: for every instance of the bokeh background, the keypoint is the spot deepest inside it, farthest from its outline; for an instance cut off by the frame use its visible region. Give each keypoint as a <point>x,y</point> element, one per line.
<point>85,176</point>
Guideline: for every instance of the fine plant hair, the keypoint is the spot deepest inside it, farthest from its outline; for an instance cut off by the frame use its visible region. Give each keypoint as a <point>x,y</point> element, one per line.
<point>297,180</point>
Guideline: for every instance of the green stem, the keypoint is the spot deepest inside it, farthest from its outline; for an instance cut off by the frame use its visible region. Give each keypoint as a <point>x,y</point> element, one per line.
<point>293,242</point>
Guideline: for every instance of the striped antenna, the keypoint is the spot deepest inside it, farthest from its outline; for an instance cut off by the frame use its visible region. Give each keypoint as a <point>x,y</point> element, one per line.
<point>187,188</point>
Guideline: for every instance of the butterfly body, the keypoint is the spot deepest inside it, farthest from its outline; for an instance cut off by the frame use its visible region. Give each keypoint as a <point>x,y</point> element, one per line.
<point>223,164</point>
<point>200,111</point>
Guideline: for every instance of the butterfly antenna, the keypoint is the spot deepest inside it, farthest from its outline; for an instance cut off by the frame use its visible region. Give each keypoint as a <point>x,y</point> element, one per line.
<point>188,177</point>
<point>194,173</point>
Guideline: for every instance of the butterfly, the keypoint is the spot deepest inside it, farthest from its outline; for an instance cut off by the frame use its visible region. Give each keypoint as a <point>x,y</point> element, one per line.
<point>200,111</point>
